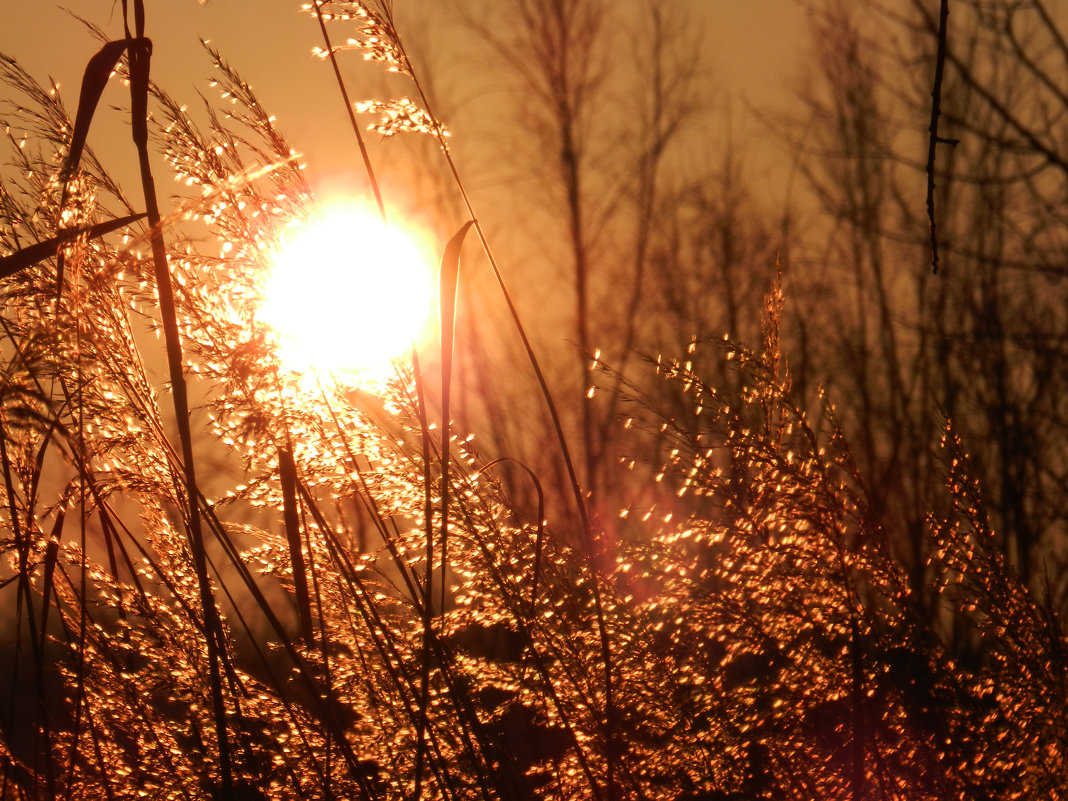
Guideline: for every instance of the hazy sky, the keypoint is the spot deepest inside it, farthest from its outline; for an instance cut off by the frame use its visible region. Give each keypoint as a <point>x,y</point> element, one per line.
<point>751,39</point>
<point>751,44</point>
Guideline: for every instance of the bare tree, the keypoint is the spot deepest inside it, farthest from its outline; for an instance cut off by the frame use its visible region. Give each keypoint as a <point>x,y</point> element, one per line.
<point>981,343</point>
<point>601,139</point>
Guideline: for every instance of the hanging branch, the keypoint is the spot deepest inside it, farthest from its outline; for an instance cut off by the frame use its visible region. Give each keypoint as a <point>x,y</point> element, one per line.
<point>934,140</point>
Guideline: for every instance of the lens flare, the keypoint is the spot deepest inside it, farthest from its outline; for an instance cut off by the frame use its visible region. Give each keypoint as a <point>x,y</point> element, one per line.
<point>347,295</point>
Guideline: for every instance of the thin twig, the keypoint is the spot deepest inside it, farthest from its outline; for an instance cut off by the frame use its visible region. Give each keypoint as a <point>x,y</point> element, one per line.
<point>351,112</point>
<point>934,139</point>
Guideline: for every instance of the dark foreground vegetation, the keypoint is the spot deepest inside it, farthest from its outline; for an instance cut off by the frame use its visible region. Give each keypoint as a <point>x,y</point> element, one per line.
<point>300,590</point>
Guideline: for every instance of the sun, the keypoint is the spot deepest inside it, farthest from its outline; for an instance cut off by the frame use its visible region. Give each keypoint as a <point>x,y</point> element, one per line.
<point>346,295</point>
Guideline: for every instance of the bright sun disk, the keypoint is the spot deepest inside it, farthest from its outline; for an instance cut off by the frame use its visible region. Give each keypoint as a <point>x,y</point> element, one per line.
<point>346,294</point>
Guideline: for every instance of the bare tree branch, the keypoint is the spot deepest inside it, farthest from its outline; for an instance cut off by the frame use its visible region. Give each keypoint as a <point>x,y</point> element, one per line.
<point>935,139</point>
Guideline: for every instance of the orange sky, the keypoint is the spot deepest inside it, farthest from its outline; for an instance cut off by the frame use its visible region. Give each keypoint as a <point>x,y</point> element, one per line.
<point>751,45</point>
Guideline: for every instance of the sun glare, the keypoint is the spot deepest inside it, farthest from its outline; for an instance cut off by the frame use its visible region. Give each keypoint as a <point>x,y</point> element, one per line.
<point>347,295</point>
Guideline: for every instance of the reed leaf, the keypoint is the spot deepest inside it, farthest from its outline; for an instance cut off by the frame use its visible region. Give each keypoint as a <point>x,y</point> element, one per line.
<point>448,280</point>
<point>36,253</point>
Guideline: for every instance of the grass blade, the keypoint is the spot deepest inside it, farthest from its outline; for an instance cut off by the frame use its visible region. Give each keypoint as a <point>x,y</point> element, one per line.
<point>448,282</point>
<point>287,475</point>
<point>32,254</point>
<point>95,78</point>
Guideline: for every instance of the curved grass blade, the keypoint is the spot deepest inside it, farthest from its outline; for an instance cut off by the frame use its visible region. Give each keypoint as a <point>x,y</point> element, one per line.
<point>448,282</point>
<point>95,78</point>
<point>539,540</point>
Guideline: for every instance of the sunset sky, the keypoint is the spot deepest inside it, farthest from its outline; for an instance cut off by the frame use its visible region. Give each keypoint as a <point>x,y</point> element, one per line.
<point>672,409</point>
<point>752,47</point>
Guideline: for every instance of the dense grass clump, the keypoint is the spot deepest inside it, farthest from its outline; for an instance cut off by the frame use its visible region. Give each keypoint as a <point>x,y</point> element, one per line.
<point>292,589</point>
